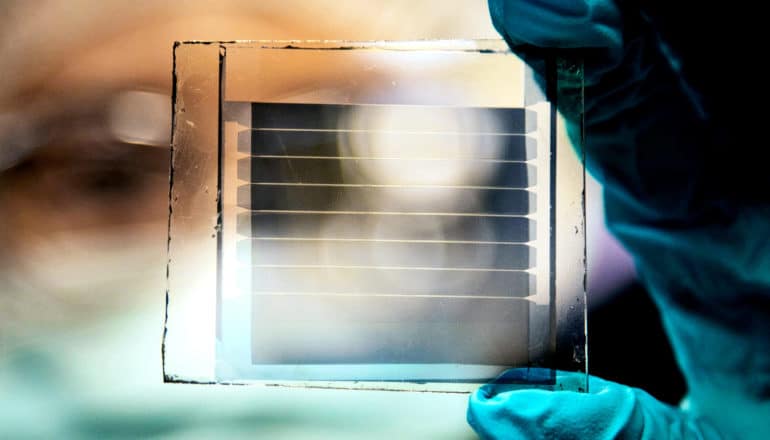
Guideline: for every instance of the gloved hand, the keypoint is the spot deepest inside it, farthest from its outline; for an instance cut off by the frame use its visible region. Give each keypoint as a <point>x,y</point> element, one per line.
<point>685,195</point>
<point>610,411</point>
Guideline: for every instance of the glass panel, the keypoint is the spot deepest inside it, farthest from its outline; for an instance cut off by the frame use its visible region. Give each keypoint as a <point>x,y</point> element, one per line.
<point>388,217</point>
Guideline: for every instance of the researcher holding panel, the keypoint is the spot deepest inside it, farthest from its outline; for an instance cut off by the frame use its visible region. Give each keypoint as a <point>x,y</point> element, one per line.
<point>670,133</point>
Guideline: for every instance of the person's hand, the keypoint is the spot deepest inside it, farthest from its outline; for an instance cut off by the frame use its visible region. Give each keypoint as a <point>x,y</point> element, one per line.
<point>609,411</point>
<point>685,194</point>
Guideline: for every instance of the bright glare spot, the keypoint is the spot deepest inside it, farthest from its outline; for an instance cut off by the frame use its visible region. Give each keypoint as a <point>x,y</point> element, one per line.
<point>139,117</point>
<point>426,147</point>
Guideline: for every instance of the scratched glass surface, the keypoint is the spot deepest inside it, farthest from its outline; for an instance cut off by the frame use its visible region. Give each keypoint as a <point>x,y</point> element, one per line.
<point>403,215</point>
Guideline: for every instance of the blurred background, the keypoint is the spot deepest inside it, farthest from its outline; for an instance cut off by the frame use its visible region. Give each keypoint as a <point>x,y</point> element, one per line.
<point>84,131</point>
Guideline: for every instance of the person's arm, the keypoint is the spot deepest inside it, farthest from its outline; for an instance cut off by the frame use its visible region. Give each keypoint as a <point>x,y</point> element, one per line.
<point>679,196</point>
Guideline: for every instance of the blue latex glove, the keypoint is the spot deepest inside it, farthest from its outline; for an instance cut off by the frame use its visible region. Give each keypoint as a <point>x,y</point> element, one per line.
<point>610,411</point>
<point>684,192</point>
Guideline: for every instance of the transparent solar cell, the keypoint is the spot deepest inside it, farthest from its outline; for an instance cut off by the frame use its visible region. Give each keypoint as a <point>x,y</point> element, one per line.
<point>403,215</point>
